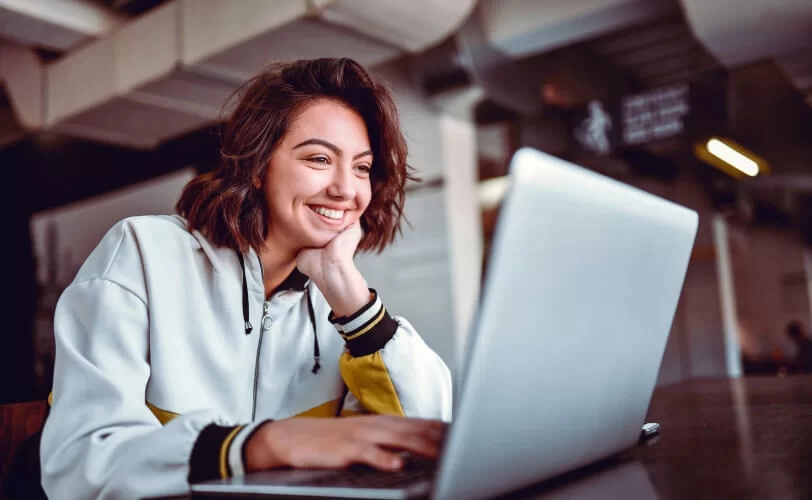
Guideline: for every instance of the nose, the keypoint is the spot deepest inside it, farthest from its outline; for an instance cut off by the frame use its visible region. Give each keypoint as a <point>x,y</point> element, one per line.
<point>342,185</point>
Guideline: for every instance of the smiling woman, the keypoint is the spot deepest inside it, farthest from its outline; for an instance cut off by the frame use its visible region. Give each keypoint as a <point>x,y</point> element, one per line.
<point>161,377</point>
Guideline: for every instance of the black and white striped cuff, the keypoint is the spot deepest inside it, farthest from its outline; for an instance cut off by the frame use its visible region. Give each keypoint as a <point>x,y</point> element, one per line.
<point>236,453</point>
<point>209,459</point>
<point>368,330</point>
<point>219,451</point>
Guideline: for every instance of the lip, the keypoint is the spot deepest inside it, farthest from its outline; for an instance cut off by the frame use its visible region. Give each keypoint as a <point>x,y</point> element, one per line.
<point>329,207</point>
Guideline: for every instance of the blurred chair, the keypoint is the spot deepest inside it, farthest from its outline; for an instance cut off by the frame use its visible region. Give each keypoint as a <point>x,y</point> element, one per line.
<point>20,429</point>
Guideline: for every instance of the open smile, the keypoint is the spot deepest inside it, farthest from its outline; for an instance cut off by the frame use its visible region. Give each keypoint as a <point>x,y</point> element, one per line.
<point>329,216</point>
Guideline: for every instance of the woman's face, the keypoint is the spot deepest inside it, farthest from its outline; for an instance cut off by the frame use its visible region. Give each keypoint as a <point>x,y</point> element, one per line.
<point>317,181</point>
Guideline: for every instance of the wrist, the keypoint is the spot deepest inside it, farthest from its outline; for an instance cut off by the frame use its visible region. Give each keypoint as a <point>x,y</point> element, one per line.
<point>367,330</point>
<point>345,290</point>
<point>260,451</point>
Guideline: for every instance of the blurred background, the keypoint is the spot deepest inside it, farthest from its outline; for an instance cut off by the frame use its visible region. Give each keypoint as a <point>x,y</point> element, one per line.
<point>108,107</point>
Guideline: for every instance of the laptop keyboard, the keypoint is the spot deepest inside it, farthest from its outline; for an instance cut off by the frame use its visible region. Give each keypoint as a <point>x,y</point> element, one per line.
<point>365,477</point>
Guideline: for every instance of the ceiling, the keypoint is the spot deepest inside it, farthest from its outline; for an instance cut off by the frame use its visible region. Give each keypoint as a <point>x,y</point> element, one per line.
<point>661,52</point>
<point>648,42</point>
<point>170,65</point>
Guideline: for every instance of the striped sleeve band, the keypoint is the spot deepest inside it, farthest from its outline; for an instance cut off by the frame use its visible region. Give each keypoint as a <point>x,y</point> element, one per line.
<point>209,459</point>
<point>368,330</point>
<point>236,454</point>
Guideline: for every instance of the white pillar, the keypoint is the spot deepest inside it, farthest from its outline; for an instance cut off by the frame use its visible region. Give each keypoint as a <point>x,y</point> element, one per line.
<point>727,297</point>
<point>459,157</point>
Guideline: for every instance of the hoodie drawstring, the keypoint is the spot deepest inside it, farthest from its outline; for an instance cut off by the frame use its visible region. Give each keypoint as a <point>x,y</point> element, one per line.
<point>245,311</point>
<point>249,328</point>
<point>316,356</point>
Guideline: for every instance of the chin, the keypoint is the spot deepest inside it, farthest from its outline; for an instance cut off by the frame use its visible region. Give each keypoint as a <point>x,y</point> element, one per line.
<point>318,240</point>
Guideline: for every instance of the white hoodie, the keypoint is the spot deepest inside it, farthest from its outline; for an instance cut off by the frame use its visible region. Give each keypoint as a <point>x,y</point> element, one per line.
<point>157,383</point>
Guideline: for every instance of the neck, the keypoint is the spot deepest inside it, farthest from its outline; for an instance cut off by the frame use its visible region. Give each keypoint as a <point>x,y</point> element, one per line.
<point>277,264</point>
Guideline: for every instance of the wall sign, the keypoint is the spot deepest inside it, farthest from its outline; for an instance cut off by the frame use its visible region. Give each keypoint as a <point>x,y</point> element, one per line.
<point>654,115</point>
<point>603,127</point>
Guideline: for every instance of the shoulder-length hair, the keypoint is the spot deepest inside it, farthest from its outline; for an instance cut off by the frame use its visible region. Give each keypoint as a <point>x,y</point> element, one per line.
<point>230,210</point>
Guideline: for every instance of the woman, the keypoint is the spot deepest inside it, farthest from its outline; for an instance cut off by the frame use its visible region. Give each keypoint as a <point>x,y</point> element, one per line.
<point>186,343</point>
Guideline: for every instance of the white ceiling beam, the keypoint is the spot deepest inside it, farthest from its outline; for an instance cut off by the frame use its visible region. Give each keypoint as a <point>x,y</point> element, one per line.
<point>738,32</point>
<point>76,15</point>
<point>527,27</point>
<point>413,26</point>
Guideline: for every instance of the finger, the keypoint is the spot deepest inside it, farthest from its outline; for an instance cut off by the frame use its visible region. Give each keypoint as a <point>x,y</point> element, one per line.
<point>435,429</point>
<point>419,445</point>
<point>345,238</point>
<point>379,458</point>
<point>437,432</point>
<point>412,442</point>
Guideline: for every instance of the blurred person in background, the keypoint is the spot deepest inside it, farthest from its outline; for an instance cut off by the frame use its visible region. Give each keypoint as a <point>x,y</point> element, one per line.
<point>186,343</point>
<point>803,345</point>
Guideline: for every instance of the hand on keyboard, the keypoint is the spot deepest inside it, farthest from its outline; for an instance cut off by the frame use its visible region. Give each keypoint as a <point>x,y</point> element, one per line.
<point>374,440</point>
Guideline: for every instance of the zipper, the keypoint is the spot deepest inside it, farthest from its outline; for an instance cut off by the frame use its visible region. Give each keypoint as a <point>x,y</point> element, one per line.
<point>265,323</point>
<point>265,307</point>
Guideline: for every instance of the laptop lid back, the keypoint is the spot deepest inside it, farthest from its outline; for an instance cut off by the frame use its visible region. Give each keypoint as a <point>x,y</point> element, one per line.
<point>580,293</point>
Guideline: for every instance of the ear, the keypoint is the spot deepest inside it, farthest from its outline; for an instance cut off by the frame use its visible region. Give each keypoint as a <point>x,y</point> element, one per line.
<point>257,183</point>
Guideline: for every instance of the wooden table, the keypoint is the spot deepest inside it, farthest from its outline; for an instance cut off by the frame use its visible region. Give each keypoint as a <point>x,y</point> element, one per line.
<point>748,438</point>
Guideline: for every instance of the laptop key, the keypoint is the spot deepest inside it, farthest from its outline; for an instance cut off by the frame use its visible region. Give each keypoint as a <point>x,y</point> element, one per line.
<point>364,477</point>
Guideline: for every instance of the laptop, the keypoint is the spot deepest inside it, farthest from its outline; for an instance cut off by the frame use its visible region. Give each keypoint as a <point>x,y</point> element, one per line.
<point>580,293</point>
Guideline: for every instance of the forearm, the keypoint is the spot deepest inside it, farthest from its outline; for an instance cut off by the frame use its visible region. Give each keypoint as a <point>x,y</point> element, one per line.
<point>344,288</point>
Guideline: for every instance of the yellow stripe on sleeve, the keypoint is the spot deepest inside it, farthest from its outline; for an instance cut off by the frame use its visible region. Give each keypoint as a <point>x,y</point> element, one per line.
<point>368,380</point>
<point>369,326</point>
<point>224,451</point>
<point>163,416</point>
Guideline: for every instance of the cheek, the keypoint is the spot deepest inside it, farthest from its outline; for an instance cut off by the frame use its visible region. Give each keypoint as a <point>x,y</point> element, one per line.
<point>296,189</point>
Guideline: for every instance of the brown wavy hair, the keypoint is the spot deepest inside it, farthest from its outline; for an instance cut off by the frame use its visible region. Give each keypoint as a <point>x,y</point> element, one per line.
<point>230,210</point>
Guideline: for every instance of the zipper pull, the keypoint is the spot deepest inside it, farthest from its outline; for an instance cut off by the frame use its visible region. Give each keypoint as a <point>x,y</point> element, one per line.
<point>266,319</point>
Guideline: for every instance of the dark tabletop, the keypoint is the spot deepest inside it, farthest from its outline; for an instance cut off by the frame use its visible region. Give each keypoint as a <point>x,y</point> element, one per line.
<point>744,438</point>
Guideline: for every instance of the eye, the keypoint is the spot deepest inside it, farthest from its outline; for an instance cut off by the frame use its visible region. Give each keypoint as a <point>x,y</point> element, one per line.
<point>319,160</point>
<point>364,168</point>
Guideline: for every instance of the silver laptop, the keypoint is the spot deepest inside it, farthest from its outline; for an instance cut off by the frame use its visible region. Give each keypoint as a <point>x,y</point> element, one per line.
<point>580,292</point>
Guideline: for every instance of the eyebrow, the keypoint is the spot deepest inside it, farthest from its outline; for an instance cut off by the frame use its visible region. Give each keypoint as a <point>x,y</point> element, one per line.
<point>332,147</point>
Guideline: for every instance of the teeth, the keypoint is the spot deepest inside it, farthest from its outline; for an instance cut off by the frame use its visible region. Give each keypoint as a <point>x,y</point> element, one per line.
<point>330,214</point>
